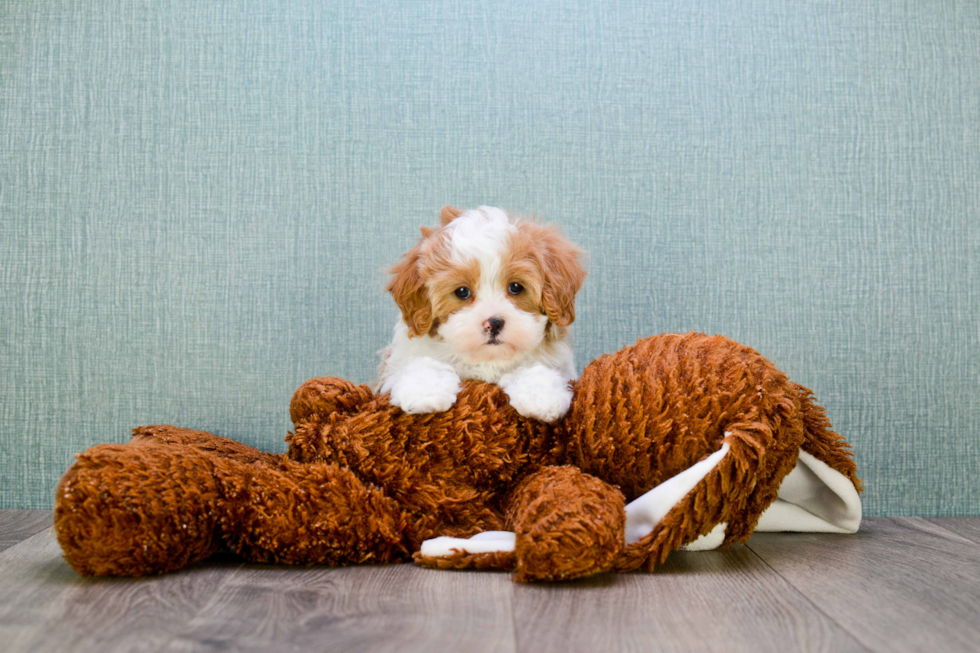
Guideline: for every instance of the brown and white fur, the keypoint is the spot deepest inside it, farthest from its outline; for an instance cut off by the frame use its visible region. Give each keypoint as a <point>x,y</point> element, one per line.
<point>484,296</point>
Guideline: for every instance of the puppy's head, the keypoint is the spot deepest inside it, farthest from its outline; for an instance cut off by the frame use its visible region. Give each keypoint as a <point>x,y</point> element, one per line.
<point>491,286</point>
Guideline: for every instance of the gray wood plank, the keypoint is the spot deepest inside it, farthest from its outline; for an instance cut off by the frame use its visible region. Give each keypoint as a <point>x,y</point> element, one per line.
<point>704,601</point>
<point>968,527</point>
<point>46,606</point>
<point>18,525</point>
<point>905,584</point>
<point>369,608</point>
<point>32,575</point>
<point>897,585</point>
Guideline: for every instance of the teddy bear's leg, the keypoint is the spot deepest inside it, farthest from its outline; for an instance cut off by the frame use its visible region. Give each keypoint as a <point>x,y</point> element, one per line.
<point>716,501</point>
<point>566,524</point>
<point>822,492</point>
<point>802,474</point>
<point>326,395</point>
<point>127,510</point>
<point>317,513</point>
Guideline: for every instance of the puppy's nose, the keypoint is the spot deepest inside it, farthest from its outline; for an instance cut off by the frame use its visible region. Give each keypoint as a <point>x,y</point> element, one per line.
<point>493,326</point>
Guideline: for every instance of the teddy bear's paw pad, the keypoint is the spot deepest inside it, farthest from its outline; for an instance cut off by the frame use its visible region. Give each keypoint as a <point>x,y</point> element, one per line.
<point>488,550</point>
<point>495,560</point>
<point>486,542</point>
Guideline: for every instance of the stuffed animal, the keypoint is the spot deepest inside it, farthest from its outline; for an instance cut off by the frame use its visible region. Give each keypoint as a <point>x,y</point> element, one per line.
<point>677,440</point>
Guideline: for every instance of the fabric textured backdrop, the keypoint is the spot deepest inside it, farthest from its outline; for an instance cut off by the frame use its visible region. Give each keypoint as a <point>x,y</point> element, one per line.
<point>198,201</point>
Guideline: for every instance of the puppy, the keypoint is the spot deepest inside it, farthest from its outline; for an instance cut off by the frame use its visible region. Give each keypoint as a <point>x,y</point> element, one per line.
<point>484,296</point>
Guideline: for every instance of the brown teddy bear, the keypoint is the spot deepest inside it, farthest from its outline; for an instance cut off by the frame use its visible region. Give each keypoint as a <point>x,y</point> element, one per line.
<point>702,437</point>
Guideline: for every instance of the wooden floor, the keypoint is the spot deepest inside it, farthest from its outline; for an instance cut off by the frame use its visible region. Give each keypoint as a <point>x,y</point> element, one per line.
<point>898,585</point>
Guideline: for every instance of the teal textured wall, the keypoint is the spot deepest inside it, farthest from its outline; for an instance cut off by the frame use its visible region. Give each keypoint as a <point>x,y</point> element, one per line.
<point>198,200</point>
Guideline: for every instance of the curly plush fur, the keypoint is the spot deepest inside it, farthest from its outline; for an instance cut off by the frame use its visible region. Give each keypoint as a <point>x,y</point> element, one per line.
<point>364,482</point>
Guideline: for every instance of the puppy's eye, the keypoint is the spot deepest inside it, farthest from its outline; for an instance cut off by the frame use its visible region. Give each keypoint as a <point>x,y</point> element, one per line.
<point>462,292</point>
<point>515,288</point>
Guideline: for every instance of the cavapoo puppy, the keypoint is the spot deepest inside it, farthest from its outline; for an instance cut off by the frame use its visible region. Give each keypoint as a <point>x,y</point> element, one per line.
<point>484,296</point>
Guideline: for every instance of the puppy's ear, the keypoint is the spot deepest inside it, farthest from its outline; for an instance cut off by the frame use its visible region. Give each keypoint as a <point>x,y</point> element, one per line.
<point>563,276</point>
<point>408,289</point>
<point>448,214</point>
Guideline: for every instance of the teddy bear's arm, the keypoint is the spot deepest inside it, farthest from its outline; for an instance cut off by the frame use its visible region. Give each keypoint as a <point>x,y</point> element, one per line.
<point>317,513</point>
<point>175,496</point>
<point>164,434</point>
<point>324,396</point>
<point>135,509</point>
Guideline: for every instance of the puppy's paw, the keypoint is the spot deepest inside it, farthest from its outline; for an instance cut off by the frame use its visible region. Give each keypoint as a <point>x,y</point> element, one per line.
<point>425,385</point>
<point>537,391</point>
